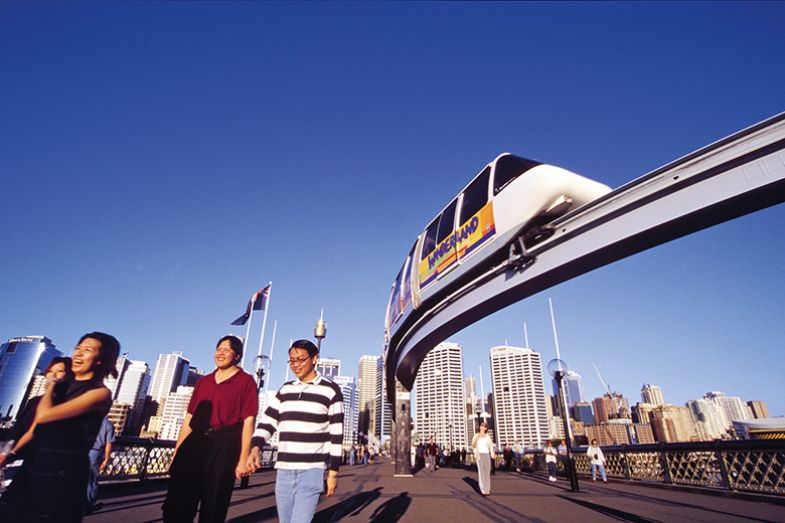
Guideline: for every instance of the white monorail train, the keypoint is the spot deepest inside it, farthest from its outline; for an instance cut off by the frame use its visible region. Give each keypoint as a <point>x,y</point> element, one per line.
<point>510,198</point>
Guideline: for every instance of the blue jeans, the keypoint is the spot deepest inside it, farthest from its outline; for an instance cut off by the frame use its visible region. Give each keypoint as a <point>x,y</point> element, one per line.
<point>297,493</point>
<point>594,472</point>
<point>92,482</point>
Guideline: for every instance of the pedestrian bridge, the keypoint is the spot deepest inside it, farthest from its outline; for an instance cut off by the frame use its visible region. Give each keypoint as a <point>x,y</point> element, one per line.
<point>371,493</point>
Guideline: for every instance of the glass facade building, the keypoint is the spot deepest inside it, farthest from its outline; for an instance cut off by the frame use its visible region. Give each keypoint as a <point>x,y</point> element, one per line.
<point>21,360</point>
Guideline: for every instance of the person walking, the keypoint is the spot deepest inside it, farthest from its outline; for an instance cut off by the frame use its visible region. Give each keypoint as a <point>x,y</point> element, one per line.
<point>483,455</point>
<point>551,457</point>
<point>215,440</point>
<point>99,459</point>
<point>431,451</point>
<point>597,460</point>
<point>308,415</point>
<point>51,484</point>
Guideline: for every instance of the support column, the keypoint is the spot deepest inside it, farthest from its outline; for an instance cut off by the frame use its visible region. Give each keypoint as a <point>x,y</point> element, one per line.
<point>402,433</point>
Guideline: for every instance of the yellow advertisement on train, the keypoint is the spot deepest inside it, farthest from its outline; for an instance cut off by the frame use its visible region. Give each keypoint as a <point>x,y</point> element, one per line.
<point>470,235</point>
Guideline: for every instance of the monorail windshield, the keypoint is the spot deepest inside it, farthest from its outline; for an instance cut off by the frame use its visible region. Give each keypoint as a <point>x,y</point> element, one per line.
<point>508,168</point>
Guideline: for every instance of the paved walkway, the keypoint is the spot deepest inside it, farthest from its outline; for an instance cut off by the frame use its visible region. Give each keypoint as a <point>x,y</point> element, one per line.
<point>371,493</point>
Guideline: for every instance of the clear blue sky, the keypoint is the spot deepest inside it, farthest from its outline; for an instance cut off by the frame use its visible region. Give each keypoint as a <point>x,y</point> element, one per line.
<point>161,161</point>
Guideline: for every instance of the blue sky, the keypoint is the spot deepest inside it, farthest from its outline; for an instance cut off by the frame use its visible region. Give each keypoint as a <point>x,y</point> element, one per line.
<point>160,162</point>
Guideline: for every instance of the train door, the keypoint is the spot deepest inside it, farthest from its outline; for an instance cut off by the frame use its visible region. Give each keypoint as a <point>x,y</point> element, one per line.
<point>475,221</point>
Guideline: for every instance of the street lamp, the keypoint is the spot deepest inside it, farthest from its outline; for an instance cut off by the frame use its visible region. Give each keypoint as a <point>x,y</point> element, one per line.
<point>261,366</point>
<point>558,369</point>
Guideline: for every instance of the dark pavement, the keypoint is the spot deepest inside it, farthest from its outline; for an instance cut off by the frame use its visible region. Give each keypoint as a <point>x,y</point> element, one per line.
<point>371,493</point>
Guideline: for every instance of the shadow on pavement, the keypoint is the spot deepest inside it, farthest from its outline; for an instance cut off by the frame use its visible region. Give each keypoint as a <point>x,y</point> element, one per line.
<point>350,506</point>
<point>472,483</point>
<point>393,509</point>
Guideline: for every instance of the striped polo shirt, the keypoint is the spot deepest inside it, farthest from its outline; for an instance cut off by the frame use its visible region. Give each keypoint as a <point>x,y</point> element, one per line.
<point>309,419</point>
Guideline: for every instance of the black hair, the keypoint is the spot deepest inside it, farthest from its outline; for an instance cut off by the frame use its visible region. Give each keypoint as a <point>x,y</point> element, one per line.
<point>66,361</point>
<point>307,345</point>
<point>110,350</point>
<point>234,342</point>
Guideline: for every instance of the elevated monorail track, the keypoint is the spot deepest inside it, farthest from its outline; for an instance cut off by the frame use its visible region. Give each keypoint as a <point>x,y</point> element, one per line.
<point>740,174</point>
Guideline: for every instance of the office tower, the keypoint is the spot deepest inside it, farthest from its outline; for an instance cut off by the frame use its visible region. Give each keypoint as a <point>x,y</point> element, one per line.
<point>519,396</point>
<point>615,432</point>
<point>195,375</point>
<point>112,383</point>
<point>441,399</point>
<point>652,394</point>
<point>758,409</point>
<point>21,359</point>
<point>134,385</point>
<point>350,411</point>
<point>610,406</point>
<point>383,424</point>
<point>175,408</point>
<point>671,423</point>
<point>581,411</point>
<point>171,371</point>
<point>641,412</point>
<point>573,388</point>
<point>709,417</point>
<point>366,389</point>
<point>732,406</point>
<point>118,416</point>
<point>329,368</point>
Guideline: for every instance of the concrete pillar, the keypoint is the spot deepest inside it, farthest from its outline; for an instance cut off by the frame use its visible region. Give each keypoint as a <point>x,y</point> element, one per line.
<point>402,433</point>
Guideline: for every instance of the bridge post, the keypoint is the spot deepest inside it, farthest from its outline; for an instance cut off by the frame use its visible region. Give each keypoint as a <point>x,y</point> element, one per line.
<point>402,434</point>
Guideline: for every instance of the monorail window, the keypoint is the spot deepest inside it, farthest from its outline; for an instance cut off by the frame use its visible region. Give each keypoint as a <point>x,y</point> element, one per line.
<point>446,222</point>
<point>429,243</point>
<point>407,287</point>
<point>475,196</point>
<point>508,168</point>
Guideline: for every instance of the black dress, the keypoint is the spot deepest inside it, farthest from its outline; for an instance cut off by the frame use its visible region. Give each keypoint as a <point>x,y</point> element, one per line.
<point>52,482</point>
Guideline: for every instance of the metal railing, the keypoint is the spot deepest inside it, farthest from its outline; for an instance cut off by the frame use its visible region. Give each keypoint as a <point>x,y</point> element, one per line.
<point>745,466</point>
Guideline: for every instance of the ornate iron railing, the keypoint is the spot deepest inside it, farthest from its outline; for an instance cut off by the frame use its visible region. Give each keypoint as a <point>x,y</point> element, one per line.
<point>746,466</point>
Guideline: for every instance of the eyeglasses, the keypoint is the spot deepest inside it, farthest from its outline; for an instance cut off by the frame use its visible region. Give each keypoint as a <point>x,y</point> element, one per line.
<point>297,361</point>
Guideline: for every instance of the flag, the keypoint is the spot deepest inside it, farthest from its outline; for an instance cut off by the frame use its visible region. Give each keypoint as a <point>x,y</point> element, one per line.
<point>258,302</point>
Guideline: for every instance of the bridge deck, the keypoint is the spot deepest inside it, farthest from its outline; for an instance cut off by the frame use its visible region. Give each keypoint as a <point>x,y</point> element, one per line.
<point>370,493</point>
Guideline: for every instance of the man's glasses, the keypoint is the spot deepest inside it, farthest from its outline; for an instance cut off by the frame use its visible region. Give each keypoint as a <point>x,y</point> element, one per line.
<point>297,361</point>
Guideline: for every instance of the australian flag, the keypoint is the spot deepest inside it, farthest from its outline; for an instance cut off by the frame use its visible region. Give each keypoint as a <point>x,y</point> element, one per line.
<point>258,302</point>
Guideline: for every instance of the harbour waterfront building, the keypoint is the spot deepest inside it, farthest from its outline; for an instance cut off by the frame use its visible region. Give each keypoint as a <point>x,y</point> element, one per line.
<point>519,396</point>
<point>171,371</point>
<point>21,359</point>
<point>441,398</point>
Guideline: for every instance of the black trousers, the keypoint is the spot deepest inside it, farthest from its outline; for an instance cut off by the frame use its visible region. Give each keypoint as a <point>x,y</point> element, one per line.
<point>202,476</point>
<point>50,487</point>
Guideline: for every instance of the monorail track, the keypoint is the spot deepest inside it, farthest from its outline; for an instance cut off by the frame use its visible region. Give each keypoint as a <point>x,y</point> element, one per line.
<point>740,174</point>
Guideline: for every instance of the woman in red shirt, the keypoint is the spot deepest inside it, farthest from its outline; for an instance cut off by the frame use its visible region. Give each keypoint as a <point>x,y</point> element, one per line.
<point>215,439</point>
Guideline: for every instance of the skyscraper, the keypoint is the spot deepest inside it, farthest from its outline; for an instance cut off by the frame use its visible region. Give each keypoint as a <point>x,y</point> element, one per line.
<point>171,371</point>
<point>519,396</point>
<point>441,399</point>
<point>652,394</point>
<point>350,412</point>
<point>709,416</point>
<point>366,388</point>
<point>132,391</point>
<point>758,408</point>
<point>328,367</point>
<point>21,359</point>
<point>175,408</point>
<point>732,406</point>
<point>383,425</point>
<point>573,388</point>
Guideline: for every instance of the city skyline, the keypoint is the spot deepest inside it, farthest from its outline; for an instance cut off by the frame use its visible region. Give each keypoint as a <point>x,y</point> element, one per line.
<point>162,163</point>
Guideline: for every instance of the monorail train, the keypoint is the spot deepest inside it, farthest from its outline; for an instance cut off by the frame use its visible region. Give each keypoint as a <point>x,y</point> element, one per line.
<point>511,197</point>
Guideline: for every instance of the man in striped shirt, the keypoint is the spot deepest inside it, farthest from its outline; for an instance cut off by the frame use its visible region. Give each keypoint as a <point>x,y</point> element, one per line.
<point>308,415</point>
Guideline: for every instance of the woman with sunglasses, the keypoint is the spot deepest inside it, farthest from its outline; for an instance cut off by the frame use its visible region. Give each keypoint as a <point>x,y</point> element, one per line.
<point>52,482</point>
<point>483,455</point>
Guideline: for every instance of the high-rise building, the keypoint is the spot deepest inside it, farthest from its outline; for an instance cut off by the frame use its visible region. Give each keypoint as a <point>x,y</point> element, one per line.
<point>383,425</point>
<point>111,382</point>
<point>614,432</point>
<point>171,371</point>
<point>709,417</point>
<point>610,406</point>
<point>671,423</point>
<point>581,411</point>
<point>758,408</point>
<point>441,399</point>
<point>350,411</point>
<point>175,408</point>
<point>21,359</point>
<point>519,396</point>
<point>652,394</point>
<point>328,367</point>
<point>573,388</point>
<point>732,406</point>
<point>366,389</point>
<point>134,385</point>
<point>118,416</point>
<point>641,412</point>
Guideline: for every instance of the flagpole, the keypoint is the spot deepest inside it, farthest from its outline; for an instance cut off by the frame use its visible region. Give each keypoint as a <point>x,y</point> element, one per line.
<point>272,346</point>
<point>264,321</point>
<point>248,330</point>
<point>287,364</point>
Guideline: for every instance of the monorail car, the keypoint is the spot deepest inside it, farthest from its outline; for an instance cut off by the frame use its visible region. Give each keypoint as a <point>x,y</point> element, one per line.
<point>509,198</point>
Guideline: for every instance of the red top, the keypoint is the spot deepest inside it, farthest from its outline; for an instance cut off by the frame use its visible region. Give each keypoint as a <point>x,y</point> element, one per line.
<point>233,400</point>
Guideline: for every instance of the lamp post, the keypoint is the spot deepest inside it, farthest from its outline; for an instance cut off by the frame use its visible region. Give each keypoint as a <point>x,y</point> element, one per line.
<point>558,369</point>
<point>261,366</point>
